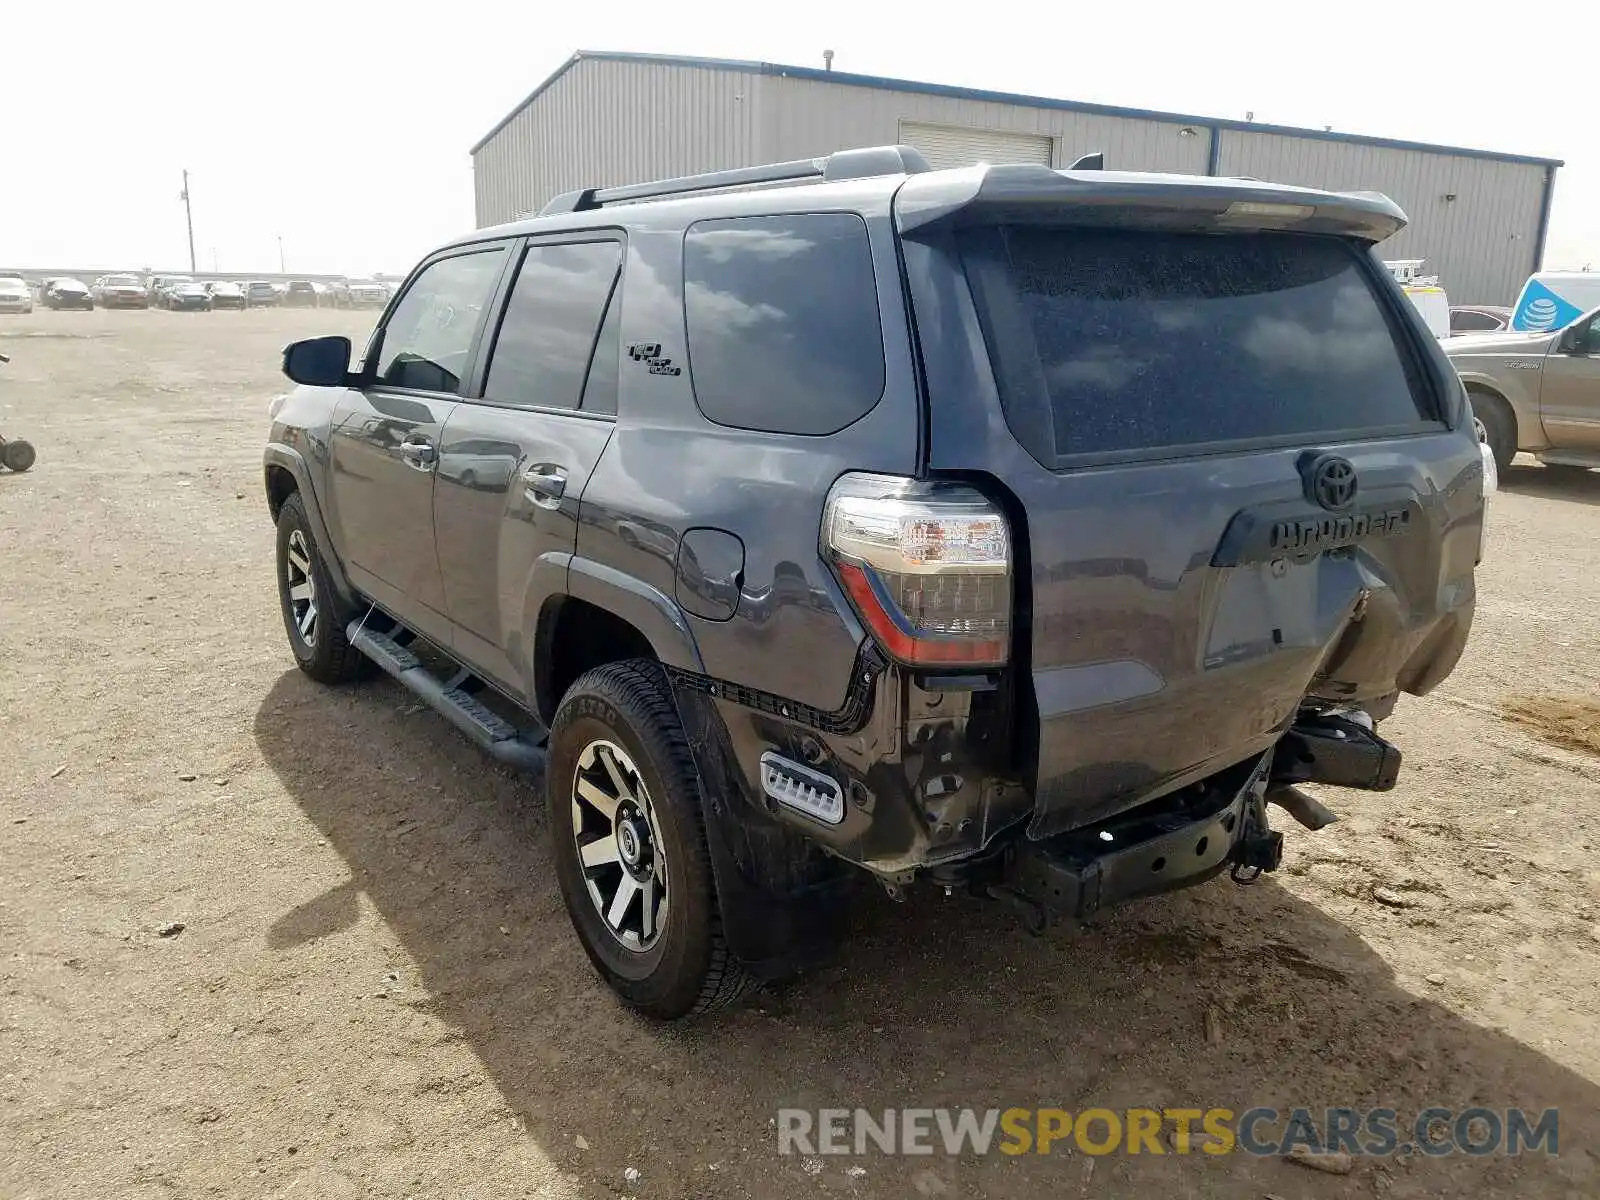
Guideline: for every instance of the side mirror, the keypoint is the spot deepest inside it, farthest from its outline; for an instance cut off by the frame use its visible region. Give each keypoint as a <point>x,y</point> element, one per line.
<point>318,362</point>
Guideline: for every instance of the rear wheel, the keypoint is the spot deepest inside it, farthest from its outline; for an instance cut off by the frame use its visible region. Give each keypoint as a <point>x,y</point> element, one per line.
<point>310,607</point>
<point>630,847</point>
<point>1496,426</point>
<point>18,455</point>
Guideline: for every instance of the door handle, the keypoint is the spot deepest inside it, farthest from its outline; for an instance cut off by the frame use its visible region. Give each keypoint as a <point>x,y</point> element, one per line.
<point>418,453</point>
<point>545,485</point>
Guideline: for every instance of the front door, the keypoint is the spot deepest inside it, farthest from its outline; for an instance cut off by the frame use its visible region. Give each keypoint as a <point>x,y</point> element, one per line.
<point>385,443</point>
<point>514,462</point>
<point>1569,394</point>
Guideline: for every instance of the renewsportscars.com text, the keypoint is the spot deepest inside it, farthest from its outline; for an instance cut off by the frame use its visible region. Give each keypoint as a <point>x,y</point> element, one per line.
<point>1260,1131</point>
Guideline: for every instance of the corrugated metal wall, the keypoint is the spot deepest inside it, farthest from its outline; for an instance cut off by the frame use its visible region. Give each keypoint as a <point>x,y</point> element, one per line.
<point>805,117</point>
<point>1481,244</point>
<point>607,121</point>
<point>604,123</point>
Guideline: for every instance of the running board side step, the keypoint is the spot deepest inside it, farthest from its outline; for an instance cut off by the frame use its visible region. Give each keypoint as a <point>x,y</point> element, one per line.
<point>468,714</point>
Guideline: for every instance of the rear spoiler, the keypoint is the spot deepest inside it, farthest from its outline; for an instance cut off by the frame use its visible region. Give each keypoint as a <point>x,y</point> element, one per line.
<point>1027,194</point>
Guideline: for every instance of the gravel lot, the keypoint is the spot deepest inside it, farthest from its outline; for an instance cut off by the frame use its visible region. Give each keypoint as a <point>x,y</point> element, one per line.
<point>376,990</point>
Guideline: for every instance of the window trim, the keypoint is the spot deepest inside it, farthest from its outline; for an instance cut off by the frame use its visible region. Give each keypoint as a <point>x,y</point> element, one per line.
<point>502,304</point>
<point>877,312</point>
<point>369,364</point>
<point>1041,444</point>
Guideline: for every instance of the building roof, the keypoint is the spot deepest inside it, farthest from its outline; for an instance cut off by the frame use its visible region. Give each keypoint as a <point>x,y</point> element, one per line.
<point>848,79</point>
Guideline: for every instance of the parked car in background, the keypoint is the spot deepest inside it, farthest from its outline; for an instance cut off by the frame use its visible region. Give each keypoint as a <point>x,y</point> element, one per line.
<point>1479,318</point>
<point>120,291</point>
<point>258,293</point>
<point>302,293</point>
<point>187,296</point>
<point>15,295</point>
<point>368,293</point>
<point>225,294</point>
<point>66,293</point>
<point>1535,391</point>
<point>337,293</point>
<point>160,285</point>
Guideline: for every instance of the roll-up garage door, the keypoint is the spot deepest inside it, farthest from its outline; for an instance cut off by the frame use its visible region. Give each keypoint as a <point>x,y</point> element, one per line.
<point>948,146</point>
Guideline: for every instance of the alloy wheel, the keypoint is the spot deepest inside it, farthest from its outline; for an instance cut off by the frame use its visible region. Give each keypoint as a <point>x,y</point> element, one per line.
<point>302,587</point>
<point>619,847</point>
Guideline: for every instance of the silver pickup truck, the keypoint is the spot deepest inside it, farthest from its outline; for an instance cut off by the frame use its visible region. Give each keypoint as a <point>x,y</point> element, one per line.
<point>1535,391</point>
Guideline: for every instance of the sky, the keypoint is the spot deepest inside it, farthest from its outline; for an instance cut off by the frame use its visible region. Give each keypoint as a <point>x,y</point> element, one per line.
<point>338,132</point>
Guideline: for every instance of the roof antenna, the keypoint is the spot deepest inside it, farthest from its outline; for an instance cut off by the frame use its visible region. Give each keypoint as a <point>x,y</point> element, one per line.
<point>827,60</point>
<point>1090,162</point>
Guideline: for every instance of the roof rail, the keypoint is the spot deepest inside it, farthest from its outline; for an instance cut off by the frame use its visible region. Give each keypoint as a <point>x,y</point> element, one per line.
<point>862,163</point>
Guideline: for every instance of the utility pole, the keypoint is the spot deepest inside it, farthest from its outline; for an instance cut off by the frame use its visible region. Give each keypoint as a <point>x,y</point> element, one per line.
<point>188,215</point>
<point>282,270</point>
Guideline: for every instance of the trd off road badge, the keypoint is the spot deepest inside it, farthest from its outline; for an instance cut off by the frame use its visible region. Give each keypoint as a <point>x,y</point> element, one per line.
<point>649,353</point>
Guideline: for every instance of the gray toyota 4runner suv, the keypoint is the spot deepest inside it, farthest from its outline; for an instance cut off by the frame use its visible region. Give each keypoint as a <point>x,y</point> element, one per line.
<point>1021,531</point>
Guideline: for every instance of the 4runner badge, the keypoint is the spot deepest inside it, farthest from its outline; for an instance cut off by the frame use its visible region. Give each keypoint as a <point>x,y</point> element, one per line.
<point>649,353</point>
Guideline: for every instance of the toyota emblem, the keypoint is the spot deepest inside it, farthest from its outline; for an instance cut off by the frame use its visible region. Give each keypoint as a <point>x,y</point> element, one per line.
<point>1333,482</point>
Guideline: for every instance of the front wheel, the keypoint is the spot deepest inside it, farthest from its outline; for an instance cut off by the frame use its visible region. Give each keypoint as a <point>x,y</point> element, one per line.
<point>1496,427</point>
<point>18,455</point>
<point>310,607</point>
<point>630,846</point>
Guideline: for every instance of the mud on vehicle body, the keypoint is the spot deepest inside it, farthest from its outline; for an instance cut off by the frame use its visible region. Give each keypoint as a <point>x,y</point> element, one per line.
<point>1009,529</point>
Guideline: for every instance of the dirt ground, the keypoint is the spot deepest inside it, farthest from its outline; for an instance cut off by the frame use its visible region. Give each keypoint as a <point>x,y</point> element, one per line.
<point>376,990</point>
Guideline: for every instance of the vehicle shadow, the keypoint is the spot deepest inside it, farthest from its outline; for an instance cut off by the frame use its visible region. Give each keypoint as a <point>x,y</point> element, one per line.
<point>1535,479</point>
<point>940,1001</point>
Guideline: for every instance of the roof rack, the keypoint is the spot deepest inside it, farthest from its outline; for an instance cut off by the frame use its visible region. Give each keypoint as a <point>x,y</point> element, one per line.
<point>862,163</point>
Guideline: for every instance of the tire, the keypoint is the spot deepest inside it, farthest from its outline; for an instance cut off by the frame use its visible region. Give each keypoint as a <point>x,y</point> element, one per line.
<point>18,455</point>
<point>1499,426</point>
<point>320,650</point>
<point>623,711</point>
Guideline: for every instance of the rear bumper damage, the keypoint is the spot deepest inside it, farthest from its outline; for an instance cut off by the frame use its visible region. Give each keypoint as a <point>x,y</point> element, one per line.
<point>1192,835</point>
<point>1183,842</point>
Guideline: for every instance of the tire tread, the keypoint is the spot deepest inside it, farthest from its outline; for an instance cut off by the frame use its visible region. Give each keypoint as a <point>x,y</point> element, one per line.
<point>334,660</point>
<point>639,686</point>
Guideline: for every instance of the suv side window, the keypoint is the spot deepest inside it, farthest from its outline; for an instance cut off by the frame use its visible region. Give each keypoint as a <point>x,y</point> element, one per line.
<point>552,325</point>
<point>782,317</point>
<point>428,336</point>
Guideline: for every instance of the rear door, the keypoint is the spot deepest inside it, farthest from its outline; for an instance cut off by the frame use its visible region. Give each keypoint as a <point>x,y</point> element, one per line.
<point>1569,392</point>
<point>514,461</point>
<point>385,444</point>
<point>1227,453</point>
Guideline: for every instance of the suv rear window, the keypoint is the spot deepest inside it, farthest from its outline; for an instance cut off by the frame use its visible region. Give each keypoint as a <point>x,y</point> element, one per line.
<point>1115,342</point>
<point>782,316</point>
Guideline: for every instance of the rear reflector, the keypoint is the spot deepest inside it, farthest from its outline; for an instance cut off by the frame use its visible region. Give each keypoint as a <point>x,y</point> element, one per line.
<point>927,566</point>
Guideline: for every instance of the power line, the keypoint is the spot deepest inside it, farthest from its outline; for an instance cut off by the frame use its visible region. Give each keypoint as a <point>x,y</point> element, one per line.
<point>188,216</point>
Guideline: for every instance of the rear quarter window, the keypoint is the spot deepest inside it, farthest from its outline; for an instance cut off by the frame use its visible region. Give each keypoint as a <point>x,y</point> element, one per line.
<point>1120,342</point>
<point>782,320</point>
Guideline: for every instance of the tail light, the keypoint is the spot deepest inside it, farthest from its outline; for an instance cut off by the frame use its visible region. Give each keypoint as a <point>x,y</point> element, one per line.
<point>927,566</point>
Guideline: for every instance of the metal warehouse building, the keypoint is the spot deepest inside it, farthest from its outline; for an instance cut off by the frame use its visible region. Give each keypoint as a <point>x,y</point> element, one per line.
<point>1478,217</point>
